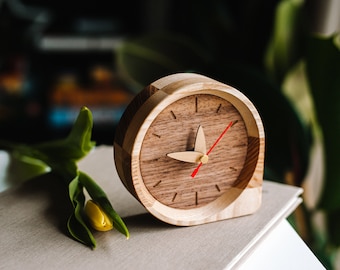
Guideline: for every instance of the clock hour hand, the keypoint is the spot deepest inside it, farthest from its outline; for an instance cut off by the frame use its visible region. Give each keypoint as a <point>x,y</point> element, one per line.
<point>200,144</point>
<point>187,156</point>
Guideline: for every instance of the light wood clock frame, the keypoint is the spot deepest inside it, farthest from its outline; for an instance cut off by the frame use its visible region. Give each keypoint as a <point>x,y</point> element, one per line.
<point>191,150</point>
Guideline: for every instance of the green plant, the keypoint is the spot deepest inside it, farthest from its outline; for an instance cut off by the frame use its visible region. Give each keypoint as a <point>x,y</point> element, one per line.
<point>60,158</point>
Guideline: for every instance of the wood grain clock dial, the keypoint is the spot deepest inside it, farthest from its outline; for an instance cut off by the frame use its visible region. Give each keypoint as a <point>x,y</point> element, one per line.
<point>172,183</point>
<point>191,150</point>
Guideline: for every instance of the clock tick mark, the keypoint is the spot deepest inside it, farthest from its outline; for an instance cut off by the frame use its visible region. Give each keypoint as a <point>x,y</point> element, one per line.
<point>234,123</point>
<point>156,135</point>
<point>219,107</point>
<point>173,114</point>
<point>196,198</point>
<point>240,145</point>
<point>155,185</point>
<point>233,169</point>
<point>196,104</point>
<point>218,188</point>
<point>174,197</point>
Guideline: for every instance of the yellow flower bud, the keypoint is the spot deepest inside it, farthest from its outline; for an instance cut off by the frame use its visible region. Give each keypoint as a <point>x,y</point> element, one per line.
<point>97,217</point>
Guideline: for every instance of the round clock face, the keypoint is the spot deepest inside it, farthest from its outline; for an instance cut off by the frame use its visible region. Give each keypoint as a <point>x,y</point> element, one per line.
<point>193,151</point>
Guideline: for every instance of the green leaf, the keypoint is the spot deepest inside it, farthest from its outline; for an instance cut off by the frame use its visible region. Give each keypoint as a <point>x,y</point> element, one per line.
<point>285,46</point>
<point>22,168</point>
<point>323,69</point>
<point>77,145</point>
<point>76,224</point>
<point>100,197</point>
<point>74,147</point>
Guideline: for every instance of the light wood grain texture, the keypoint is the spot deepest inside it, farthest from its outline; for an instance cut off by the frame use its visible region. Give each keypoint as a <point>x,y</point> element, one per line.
<point>169,116</point>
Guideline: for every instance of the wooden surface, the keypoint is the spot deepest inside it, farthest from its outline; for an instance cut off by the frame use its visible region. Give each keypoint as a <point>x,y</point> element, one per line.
<point>164,118</point>
<point>33,228</point>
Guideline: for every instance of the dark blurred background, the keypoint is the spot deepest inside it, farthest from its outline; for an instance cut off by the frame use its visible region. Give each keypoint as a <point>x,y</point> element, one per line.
<point>56,56</point>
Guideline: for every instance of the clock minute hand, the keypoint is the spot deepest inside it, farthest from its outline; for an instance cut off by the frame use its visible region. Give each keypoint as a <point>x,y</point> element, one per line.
<point>187,156</point>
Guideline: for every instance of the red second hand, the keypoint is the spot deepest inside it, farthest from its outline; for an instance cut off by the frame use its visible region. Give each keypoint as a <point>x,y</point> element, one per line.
<point>211,148</point>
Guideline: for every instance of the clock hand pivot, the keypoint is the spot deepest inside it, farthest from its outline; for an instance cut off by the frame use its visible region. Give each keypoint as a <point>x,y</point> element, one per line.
<point>204,159</point>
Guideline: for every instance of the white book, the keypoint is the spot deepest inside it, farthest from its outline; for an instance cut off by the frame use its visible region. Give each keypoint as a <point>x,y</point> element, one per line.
<point>33,234</point>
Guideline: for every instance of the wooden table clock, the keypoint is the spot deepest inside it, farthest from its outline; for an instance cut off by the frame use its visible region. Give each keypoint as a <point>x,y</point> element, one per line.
<point>191,150</point>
